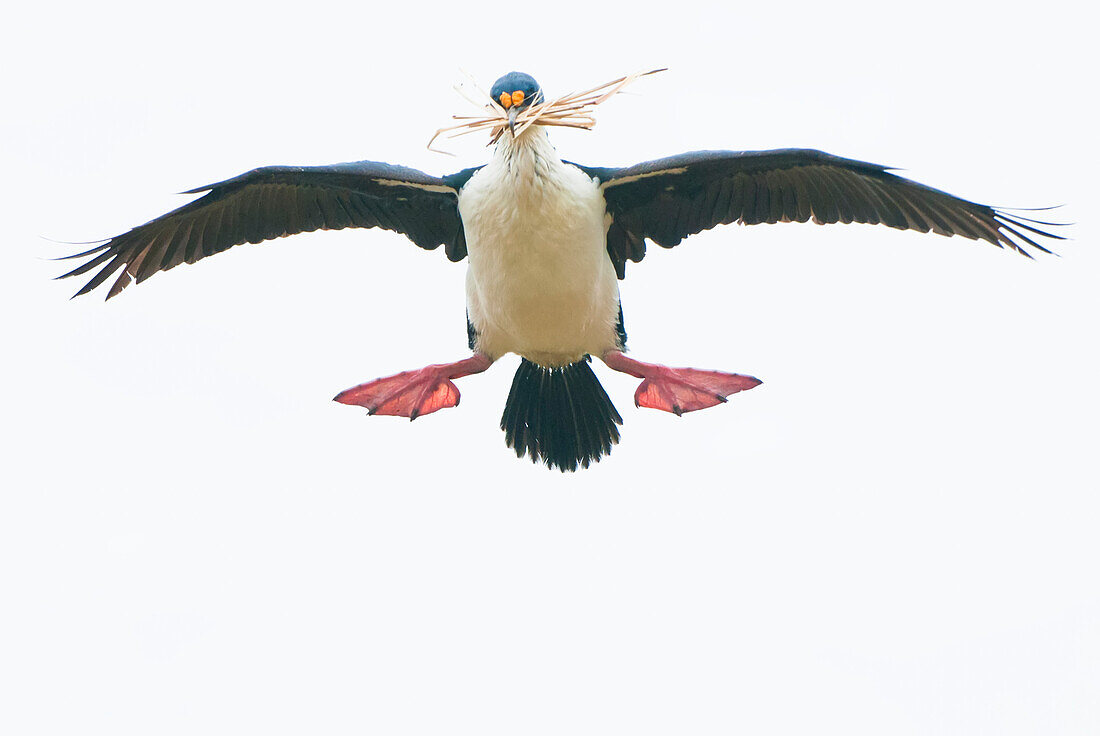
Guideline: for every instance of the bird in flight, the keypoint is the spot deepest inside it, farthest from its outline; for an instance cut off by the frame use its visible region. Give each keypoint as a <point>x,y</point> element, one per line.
<point>547,241</point>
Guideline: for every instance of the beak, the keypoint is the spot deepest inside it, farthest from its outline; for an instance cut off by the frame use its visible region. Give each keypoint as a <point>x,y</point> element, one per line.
<point>512,112</point>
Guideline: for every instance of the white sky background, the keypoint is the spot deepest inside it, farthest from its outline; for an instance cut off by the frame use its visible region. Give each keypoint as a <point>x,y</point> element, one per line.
<point>895,534</point>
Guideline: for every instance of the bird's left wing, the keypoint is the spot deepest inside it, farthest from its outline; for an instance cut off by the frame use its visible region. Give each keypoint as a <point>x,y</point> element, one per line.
<point>275,201</point>
<point>668,199</point>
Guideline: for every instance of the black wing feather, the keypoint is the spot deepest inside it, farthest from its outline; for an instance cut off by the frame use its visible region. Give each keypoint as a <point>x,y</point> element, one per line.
<point>666,200</point>
<point>276,201</point>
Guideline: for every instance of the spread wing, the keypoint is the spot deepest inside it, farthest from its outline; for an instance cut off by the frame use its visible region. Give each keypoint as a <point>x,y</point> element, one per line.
<point>275,201</point>
<point>668,199</point>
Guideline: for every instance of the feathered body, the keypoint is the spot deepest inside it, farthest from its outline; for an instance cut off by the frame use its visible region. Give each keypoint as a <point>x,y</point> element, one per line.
<point>540,283</point>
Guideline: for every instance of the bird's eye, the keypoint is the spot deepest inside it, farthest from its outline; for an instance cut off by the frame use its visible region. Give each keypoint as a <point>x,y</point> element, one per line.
<point>506,100</point>
<point>517,97</point>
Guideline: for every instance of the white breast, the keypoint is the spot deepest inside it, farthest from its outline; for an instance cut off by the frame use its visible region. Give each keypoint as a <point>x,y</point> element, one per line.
<point>540,282</point>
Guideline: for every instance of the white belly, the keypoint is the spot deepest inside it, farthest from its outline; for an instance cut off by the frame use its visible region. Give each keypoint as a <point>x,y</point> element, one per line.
<point>540,282</point>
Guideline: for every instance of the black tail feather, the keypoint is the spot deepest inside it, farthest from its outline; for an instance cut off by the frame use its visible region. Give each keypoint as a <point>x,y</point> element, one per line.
<point>561,416</point>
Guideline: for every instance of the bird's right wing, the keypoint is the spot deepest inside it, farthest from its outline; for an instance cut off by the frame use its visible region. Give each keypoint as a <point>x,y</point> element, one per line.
<point>666,200</point>
<point>275,201</point>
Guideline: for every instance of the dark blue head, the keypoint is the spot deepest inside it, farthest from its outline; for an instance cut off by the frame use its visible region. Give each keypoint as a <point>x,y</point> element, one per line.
<point>515,89</point>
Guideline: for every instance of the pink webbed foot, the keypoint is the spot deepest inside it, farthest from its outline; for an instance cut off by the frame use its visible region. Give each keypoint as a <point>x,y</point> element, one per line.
<point>413,394</point>
<point>679,390</point>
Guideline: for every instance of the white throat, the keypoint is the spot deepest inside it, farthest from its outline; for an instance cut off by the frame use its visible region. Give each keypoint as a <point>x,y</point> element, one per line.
<point>529,159</point>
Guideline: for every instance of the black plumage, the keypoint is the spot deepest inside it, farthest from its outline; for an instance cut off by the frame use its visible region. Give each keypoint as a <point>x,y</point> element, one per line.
<point>666,200</point>
<point>276,201</point>
<point>561,416</point>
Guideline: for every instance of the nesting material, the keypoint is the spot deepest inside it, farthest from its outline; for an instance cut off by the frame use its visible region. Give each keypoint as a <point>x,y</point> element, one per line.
<point>573,110</point>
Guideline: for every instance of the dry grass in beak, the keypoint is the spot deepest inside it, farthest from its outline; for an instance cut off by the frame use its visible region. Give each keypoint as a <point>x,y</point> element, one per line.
<point>573,110</point>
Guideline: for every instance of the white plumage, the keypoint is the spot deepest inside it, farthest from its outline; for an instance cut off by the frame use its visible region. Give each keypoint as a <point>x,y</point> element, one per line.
<point>540,282</point>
